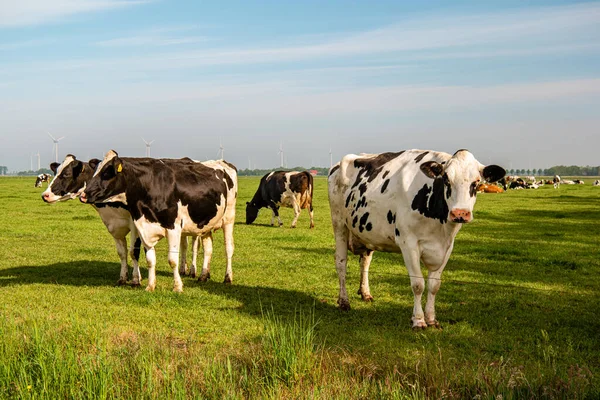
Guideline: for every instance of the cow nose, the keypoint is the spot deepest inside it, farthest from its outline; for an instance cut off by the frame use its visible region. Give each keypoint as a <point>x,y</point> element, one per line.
<point>460,215</point>
<point>45,196</point>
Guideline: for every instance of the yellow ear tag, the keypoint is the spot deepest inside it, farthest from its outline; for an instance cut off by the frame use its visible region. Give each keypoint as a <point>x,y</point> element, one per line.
<point>120,168</point>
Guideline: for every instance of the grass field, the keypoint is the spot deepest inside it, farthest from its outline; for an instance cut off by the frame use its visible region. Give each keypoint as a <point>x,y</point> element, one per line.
<point>519,309</point>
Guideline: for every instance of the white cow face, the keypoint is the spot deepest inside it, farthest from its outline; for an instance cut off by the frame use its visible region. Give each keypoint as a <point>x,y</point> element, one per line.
<point>69,180</point>
<point>454,190</point>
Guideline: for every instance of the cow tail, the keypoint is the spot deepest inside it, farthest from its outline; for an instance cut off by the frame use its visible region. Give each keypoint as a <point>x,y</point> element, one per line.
<point>343,179</point>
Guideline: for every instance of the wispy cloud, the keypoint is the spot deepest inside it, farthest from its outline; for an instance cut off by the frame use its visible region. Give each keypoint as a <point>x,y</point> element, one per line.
<point>35,12</point>
<point>151,40</point>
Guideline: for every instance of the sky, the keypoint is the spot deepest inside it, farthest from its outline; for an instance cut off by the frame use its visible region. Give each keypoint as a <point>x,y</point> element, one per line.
<point>515,82</point>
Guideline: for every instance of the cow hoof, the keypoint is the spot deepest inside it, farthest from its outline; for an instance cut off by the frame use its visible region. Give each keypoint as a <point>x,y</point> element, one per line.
<point>367,297</point>
<point>193,275</point>
<point>135,284</point>
<point>121,282</point>
<point>293,226</point>
<point>434,324</point>
<point>344,305</point>
<point>418,324</point>
<point>149,288</point>
<point>312,226</point>
<point>178,289</point>
<point>227,280</point>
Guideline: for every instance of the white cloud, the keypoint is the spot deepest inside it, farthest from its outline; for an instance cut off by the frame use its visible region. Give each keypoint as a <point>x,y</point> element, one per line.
<point>150,40</point>
<point>34,12</point>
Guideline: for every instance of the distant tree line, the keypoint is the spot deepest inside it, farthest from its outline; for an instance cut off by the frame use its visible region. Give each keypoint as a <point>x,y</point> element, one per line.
<point>261,172</point>
<point>572,170</point>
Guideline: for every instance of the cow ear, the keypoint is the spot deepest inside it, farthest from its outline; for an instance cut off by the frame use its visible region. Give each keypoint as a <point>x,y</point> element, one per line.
<point>492,173</point>
<point>93,163</point>
<point>77,168</point>
<point>54,167</point>
<point>247,202</point>
<point>432,169</point>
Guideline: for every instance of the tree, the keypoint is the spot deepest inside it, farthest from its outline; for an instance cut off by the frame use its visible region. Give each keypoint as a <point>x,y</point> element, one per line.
<point>3,170</point>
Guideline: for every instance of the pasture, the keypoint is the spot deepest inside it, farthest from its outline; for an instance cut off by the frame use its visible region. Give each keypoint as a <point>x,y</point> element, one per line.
<point>518,306</point>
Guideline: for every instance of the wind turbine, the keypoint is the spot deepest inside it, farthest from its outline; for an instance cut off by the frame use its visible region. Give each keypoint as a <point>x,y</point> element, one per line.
<point>330,158</point>
<point>148,144</point>
<point>221,150</point>
<point>281,153</point>
<point>38,156</point>
<point>55,147</point>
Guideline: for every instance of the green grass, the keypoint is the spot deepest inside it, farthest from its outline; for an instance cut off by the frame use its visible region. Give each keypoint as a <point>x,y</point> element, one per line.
<point>518,306</point>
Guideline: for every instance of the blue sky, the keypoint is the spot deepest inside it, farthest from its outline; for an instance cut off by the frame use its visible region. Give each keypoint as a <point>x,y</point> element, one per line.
<point>517,83</point>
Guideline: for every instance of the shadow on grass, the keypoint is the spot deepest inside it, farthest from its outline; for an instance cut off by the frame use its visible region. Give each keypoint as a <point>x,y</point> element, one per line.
<point>74,273</point>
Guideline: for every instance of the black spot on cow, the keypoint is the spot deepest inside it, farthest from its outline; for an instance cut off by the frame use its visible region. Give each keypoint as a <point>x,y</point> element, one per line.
<point>420,156</point>
<point>361,203</point>
<point>473,189</point>
<point>430,201</point>
<point>363,221</point>
<point>447,184</point>
<point>136,248</point>
<point>371,167</point>
<point>348,199</point>
<point>391,217</point>
<point>354,221</point>
<point>335,168</point>
<point>385,185</point>
<point>369,226</point>
<point>115,204</point>
<point>362,188</point>
<point>386,173</point>
<point>397,232</point>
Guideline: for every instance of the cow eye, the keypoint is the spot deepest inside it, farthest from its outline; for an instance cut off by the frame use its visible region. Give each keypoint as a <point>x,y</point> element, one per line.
<point>108,173</point>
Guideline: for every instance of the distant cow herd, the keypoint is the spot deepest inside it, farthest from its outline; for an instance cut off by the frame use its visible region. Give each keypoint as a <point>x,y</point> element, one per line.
<point>411,202</point>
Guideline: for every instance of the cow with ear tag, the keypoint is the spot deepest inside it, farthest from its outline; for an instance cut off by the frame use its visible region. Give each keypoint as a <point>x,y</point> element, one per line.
<point>412,202</point>
<point>71,177</point>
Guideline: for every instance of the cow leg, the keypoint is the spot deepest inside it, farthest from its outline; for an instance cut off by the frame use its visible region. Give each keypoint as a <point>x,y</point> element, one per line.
<point>363,289</point>
<point>151,260</point>
<point>134,252</point>
<point>183,247</point>
<point>121,244</point>
<point>174,239</point>
<point>312,219</point>
<point>434,281</point>
<point>229,247</point>
<point>195,241</point>
<point>296,208</point>
<point>413,265</point>
<point>207,246</point>
<point>341,260</point>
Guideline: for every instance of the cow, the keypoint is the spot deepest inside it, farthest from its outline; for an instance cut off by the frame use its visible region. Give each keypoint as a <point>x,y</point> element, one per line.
<point>413,202</point>
<point>596,182</point>
<point>556,181</point>
<point>487,188</point>
<point>41,178</point>
<point>170,199</point>
<point>69,182</point>
<point>281,188</point>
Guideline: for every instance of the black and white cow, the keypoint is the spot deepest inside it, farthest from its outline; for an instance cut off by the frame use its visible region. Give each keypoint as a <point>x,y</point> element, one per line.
<point>282,188</point>
<point>556,181</point>
<point>69,182</point>
<point>41,178</point>
<point>170,199</point>
<point>413,202</point>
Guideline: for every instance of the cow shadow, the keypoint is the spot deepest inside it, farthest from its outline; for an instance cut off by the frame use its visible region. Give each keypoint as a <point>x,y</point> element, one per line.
<point>74,273</point>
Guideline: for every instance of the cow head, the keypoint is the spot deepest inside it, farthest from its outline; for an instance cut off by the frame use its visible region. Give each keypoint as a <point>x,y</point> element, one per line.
<point>108,182</point>
<point>251,212</point>
<point>453,193</point>
<point>69,180</point>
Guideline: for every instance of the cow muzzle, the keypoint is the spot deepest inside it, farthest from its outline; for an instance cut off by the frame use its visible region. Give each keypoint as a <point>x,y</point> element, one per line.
<point>83,198</point>
<point>460,215</point>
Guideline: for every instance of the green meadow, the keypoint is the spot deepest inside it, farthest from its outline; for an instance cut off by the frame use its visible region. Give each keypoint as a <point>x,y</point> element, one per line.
<point>518,306</point>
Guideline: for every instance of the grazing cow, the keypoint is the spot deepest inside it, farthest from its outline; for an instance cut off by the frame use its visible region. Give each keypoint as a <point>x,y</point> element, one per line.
<point>69,182</point>
<point>578,181</point>
<point>170,199</point>
<point>42,178</point>
<point>556,181</point>
<point>280,188</point>
<point>413,202</point>
<point>597,182</point>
